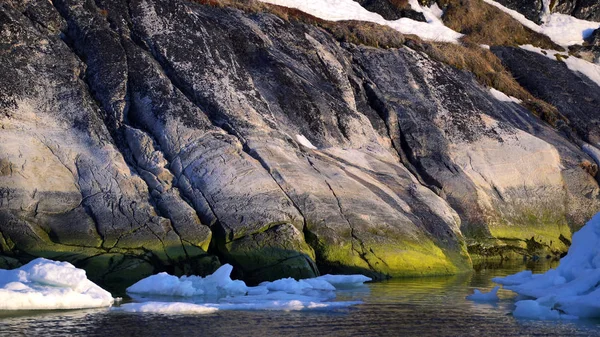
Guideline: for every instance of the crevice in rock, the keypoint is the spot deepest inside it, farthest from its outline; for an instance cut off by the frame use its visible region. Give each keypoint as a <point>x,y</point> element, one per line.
<point>400,143</point>
<point>264,165</point>
<point>354,238</point>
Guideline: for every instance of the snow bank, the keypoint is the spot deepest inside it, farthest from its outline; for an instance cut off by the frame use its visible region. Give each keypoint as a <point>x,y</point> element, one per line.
<point>571,290</point>
<point>191,294</point>
<point>564,30</point>
<point>588,69</point>
<point>499,95</point>
<point>45,284</point>
<point>337,10</point>
<point>478,296</point>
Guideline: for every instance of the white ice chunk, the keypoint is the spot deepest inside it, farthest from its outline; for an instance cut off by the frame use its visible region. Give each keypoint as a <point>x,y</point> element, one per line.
<point>284,294</point>
<point>490,296</point>
<point>289,285</point>
<point>217,284</point>
<point>345,281</point>
<point>164,284</point>
<point>570,290</point>
<point>45,284</point>
<point>337,10</point>
<point>499,95</point>
<point>166,308</point>
<point>514,279</point>
<point>532,309</point>
<point>191,308</point>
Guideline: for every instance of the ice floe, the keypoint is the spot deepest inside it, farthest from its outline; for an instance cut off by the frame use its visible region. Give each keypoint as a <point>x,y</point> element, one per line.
<point>164,293</point>
<point>479,296</point>
<point>217,284</point>
<point>571,290</point>
<point>44,284</point>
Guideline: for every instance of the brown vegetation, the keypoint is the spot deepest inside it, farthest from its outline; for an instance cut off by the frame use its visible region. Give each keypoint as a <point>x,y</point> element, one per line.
<point>365,33</point>
<point>488,69</point>
<point>589,167</point>
<point>357,32</point>
<point>483,23</point>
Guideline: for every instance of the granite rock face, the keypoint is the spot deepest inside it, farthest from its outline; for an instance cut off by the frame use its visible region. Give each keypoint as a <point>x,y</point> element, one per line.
<point>144,135</point>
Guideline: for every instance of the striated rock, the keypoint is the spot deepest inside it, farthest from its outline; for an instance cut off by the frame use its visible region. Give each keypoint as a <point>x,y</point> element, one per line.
<point>68,193</point>
<point>148,135</point>
<point>506,173</point>
<point>575,95</point>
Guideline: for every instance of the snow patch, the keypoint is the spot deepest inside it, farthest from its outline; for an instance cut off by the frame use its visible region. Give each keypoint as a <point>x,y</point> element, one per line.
<point>43,285</point>
<point>571,290</point>
<point>305,142</point>
<point>338,10</point>
<point>164,293</point>
<point>499,95</point>
<point>564,30</point>
<point>588,69</point>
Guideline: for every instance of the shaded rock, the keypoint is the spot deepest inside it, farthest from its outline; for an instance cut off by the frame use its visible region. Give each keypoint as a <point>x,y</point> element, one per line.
<point>503,170</point>
<point>581,9</point>
<point>68,194</point>
<point>531,9</point>
<point>575,95</point>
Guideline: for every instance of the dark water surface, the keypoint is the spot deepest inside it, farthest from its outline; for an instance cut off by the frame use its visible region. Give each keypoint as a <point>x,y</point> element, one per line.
<point>410,307</point>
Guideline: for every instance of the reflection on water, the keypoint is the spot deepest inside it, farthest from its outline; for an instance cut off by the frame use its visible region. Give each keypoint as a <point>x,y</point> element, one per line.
<point>410,307</point>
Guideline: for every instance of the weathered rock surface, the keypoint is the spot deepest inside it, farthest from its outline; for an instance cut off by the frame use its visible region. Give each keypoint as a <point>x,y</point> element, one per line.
<point>504,171</point>
<point>150,135</point>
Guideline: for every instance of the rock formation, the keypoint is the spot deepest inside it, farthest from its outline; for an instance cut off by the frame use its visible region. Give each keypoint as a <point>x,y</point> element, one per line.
<point>142,135</point>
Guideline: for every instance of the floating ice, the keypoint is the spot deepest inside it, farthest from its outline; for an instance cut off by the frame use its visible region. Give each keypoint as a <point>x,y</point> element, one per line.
<point>166,307</point>
<point>344,281</point>
<point>217,284</point>
<point>572,289</point>
<point>191,308</point>
<point>45,284</point>
<point>478,296</point>
<point>191,294</point>
<point>337,10</point>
